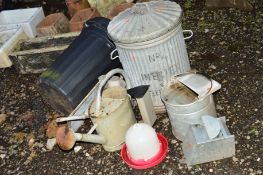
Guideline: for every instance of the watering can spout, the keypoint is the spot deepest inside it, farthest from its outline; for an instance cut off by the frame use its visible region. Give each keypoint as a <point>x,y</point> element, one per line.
<point>93,138</point>
<point>66,138</point>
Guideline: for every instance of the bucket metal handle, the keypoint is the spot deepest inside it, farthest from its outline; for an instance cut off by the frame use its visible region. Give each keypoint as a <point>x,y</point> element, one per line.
<point>104,81</point>
<point>190,32</point>
<point>138,6</point>
<point>112,53</point>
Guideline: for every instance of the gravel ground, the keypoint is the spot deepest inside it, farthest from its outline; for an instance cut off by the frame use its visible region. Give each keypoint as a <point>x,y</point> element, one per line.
<point>227,46</point>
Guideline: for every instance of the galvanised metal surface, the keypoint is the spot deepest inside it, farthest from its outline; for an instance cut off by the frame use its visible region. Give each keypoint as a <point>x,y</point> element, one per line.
<point>184,105</point>
<point>145,21</point>
<point>199,148</point>
<point>154,64</point>
<point>182,121</point>
<point>150,42</point>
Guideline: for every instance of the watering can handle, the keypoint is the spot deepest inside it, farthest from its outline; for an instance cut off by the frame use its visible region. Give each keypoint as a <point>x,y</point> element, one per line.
<point>104,81</point>
<point>190,32</point>
<point>112,53</point>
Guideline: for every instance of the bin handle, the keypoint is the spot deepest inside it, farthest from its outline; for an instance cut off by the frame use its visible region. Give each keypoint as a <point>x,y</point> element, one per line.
<point>111,55</point>
<point>190,32</point>
<point>104,81</point>
<point>138,10</point>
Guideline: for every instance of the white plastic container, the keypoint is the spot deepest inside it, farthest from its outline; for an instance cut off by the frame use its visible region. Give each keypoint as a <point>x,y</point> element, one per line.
<point>150,42</point>
<point>142,142</point>
<point>27,18</point>
<point>8,41</point>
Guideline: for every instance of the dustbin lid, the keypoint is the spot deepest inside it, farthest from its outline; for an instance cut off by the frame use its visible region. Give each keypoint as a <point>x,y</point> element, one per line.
<point>145,21</point>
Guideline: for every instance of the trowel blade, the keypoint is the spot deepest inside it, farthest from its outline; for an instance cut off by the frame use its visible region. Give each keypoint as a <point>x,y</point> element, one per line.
<point>138,91</point>
<point>211,125</point>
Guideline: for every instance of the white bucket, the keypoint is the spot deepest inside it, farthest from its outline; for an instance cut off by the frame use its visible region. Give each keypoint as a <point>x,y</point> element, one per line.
<point>153,55</point>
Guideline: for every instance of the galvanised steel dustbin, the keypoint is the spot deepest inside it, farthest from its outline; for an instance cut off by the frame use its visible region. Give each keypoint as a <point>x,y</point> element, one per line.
<point>150,42</point>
